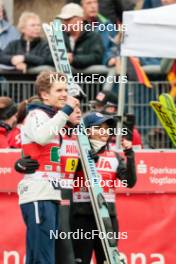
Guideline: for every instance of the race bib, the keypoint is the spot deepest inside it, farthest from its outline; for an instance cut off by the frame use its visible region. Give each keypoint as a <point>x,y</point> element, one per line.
<point>71,165</point>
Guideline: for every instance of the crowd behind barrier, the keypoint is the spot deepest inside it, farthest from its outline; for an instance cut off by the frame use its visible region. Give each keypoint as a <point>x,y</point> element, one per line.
<point>137,101</point>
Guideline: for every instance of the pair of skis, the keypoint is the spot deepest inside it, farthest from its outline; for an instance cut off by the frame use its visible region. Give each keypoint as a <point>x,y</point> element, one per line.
<point>166,112</point>
<point>59,55</point>
<point>58,50</point>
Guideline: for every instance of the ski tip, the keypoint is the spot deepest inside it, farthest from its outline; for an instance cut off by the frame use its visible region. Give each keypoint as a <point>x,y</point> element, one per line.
<point>75,90</point>
<point>151,103</point>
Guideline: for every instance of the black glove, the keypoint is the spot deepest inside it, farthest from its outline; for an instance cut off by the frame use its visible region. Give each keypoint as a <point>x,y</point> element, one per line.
<point>129,122</point>
<point>26,165</point>
<point>128,152</point>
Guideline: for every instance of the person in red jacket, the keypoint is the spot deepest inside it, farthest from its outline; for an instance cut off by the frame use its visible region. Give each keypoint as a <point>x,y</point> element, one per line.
<point>14,136</point>
<point>8,110</point>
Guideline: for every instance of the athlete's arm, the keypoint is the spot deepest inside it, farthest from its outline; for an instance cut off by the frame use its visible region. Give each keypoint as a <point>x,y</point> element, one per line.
<point>127,170</point>
<point>40,128</point>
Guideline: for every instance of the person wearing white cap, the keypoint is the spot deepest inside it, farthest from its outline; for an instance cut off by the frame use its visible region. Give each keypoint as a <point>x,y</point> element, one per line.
<point>85,48</point>
<point>71,10</point>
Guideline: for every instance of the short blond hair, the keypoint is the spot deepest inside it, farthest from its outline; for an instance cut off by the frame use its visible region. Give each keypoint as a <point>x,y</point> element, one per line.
<point>24,17</point>
<point>43,82</point>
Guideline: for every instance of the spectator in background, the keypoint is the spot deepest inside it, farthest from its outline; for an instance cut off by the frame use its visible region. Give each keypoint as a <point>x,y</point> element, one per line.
<point>91,15</point>
<point>151,4</point>
<point>84,48</point>
<point>105,102</point>
<point>157,3</point>
<point>7,31</point>
<point>113,9</point>
<point>8,110</point>
<point>168,2</point>
<point>30,50</point>
<point>145,60</point>
<point>14,136</point>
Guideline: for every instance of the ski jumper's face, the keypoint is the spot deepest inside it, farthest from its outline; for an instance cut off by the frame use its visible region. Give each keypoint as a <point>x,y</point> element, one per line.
<point>75,116</point>
<point>57,95</point>
<point>100,132</point>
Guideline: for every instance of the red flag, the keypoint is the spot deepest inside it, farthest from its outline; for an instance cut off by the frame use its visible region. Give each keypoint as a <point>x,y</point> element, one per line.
<point>141,75</point>
<point>171,76</point>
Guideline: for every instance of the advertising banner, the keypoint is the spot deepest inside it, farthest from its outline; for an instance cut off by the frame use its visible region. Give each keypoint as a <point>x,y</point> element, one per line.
<point>147,229</point>
<point>156,172</point>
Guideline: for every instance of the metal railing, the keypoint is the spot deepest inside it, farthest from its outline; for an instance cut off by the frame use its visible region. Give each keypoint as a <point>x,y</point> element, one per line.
<point>17,90</point>
<point>137,102</point>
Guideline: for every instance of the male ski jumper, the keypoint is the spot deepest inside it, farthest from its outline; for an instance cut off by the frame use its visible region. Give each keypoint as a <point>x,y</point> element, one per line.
<point>38,195</point>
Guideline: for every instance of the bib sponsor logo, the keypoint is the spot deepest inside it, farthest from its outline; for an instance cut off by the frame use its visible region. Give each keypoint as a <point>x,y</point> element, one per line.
<point>104,164</point>
<point>71,149</point>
